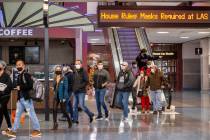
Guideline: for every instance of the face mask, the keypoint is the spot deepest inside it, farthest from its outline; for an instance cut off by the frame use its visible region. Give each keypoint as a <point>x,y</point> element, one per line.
<point>19,68</point>
<point>135,66</point>
<point>58,72</point>
<point>153,70</point>
<point>123,67</point>
<point>100,67</point>
<point>142,75</point>
<point>65,69</point>
<point>77,66</point>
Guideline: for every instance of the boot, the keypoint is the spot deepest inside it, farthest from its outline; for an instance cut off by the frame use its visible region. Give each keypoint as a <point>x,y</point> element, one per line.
<point>55,126</point>
<point>70,123</point>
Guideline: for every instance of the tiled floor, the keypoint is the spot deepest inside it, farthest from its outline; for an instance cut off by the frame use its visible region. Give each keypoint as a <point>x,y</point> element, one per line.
<point>190,123</point>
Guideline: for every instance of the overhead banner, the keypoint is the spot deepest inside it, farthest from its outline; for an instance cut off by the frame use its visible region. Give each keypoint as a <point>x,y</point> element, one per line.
<point>138,16</point>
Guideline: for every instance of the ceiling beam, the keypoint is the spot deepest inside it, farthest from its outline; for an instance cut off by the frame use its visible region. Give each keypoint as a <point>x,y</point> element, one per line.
<point>16,14</point>
<point>110,0</point>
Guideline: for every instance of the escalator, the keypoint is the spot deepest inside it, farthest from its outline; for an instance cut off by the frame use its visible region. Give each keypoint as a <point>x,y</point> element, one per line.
<point>126,44</point>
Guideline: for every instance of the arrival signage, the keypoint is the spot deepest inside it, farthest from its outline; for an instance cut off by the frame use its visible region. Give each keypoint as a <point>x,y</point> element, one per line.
<point>16,32</point>
<point>128,16</point>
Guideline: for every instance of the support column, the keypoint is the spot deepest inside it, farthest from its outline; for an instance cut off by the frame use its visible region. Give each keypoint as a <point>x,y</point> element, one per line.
<point>205,64</point>
<point>78,44</point>
<point>81,46</point>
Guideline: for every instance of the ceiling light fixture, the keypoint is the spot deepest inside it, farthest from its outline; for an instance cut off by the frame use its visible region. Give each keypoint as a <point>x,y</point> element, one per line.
<point>93,42</point>
<point>184,37</point>
<point>203,32</point>
<point>98,30</point>
<point>162,32</point>
<point>94,39</point>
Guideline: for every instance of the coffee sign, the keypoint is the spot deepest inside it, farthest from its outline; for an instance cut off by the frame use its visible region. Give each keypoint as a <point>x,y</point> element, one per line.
<point>16,32</point>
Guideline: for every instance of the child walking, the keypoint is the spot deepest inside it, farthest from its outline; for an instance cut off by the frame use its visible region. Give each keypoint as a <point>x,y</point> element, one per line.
<point>142,91</point>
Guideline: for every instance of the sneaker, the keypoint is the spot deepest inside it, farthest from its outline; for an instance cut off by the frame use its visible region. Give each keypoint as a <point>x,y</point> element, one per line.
<point>36,133</point>
<point>106,116</point>
<point>160,112</point>
<point>155,112</point>
<point>126,119</point>
<point>98,118</point>
<point>11,134</point>
<point>63,119</point>
<point>4,132</point>
<point>75,122</point>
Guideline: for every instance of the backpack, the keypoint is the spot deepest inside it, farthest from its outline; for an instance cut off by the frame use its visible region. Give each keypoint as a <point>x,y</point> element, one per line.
<point>38,91</point>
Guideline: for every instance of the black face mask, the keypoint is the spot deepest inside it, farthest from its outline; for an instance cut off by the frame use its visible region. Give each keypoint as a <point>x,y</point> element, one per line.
<point>58,72</point>
<point>19,68</point>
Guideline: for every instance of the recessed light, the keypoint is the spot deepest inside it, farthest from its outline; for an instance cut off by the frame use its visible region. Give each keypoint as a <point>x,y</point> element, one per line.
<point>93,42</point>
<point>98,30</point>
<point>203,32</point>
<point>162,32</point>
<point>184,37</point>
<point>95,39</point>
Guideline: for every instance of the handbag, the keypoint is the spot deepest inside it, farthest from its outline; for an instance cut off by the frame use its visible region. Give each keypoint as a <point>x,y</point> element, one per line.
<point>140,93</point>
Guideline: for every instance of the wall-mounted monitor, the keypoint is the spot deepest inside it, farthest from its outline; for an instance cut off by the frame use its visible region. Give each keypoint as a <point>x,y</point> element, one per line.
<point>30,54</point>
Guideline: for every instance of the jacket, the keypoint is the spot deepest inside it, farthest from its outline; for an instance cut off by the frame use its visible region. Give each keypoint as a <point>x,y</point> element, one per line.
<point>156,80</point>
<point>69,76</point>
<point>142,60</point>
<point>100,77</point>
<point>61,89</point>
<point>25,82</point>
<point>80,81</point>
<point>127,84</point>
<point>5,95</point>
<point>141,85</point>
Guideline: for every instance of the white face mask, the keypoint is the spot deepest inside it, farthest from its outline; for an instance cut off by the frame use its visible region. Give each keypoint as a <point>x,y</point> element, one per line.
<point>100,67</point>
<point>153,70</point>
<point>142,75</point>
<point>123,67</point>
<point>134,66</point>
<point>65,69</point>
<point>77,66</point>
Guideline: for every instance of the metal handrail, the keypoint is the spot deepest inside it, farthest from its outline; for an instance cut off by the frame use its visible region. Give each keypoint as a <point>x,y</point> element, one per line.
<point>117,41</point>
<point>139,39</point>
<point>114,51</point>
<point>143,40</point>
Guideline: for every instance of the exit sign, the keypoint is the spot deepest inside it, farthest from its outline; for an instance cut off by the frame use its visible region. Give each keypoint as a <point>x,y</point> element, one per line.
<point>198,51</point>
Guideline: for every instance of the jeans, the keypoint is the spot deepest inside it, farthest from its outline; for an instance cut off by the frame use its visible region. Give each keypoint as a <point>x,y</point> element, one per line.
<point>123,98</point>
<point>29,107</point>
<point>79,98</point>
<point>69,107</point>
<point>100,94</point>
<point>156,100</point>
